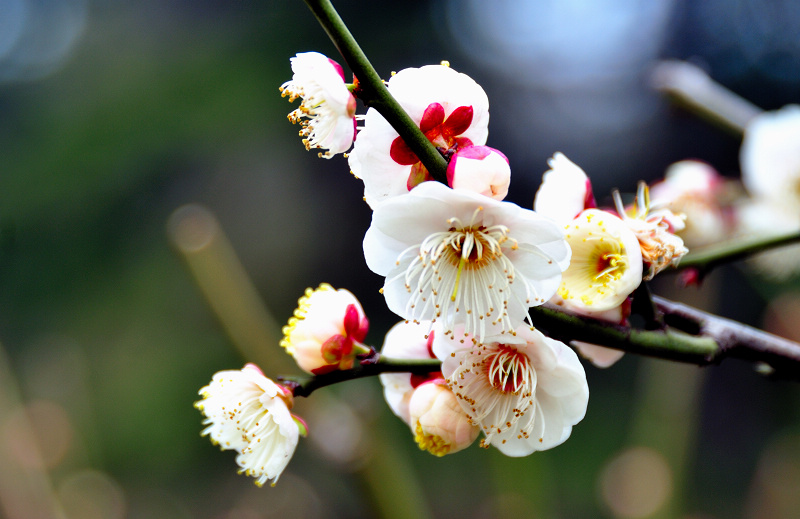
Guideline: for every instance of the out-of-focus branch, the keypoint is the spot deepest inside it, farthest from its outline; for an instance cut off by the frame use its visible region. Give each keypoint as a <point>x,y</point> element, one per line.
<point>373,92</point>
<point>706,258</point>
<point>692,88</point>
<point>26,491</point>
<point>197,235</point>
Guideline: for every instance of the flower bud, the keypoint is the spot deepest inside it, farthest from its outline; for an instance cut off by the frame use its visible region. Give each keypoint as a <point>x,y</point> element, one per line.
<point>480,169</point>
<point>326,331</point>
<point>439,424</point>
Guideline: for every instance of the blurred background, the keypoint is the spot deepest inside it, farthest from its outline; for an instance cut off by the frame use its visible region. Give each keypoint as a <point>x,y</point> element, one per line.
<point>115,115</point>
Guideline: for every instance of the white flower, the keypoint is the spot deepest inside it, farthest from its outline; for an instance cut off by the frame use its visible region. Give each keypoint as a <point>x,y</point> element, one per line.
<point>450,108</point>
<point>327,111</point>
<point>770,163</point>
<point>759,218</point>
<point>406,341</point>
<point>458,257</point>
<point>326,331</point>
<point>565,191</point>
<point>526,393</point>
<point>606,262</point>
<point>695,190</point>
<point>439,424</point>
<point>770,157</point>
<point>655,229</point>
<point>480,169</point>
<point>249,413</point>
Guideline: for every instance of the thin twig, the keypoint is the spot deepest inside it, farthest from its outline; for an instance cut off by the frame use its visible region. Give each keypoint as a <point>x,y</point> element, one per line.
<point>373,90</point>
<point>706,258</point>
<point>304,386</point>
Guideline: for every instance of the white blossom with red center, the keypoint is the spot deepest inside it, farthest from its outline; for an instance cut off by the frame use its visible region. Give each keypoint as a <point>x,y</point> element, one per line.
<point>525,392</point>
<point>249,413</point>
<point>450,108</point>
<point>326,331</point>
<point>456,257</point>
<point>327,110</point>
<point>606,265</point>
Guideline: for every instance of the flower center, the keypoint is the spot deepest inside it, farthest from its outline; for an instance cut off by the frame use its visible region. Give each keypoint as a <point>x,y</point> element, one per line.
<point>441,132</point>
<point>507,369</point>
<point>610,267</point>
<point>496,386</point>
<point>436,445</point>
<point>463,269</point>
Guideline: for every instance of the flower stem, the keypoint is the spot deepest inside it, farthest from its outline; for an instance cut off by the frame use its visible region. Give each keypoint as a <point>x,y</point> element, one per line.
<point>304,386</point>
<point>706,258</point>
<point>690,86</point>
<point>373,91</point>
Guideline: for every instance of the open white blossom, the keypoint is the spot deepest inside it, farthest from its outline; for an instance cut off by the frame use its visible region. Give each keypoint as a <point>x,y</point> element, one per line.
<point>770,157</point>
<point>327,110</point>
<point>450,108</point>
<point>606,262</point>
<point>249,413</point>
<point>456,257</point>
<point>525,392</point>
<point>770,163</point>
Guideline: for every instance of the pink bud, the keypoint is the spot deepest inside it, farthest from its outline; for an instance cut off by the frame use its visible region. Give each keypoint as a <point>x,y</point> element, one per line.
<point>439,424</point>
<point>480,169</point>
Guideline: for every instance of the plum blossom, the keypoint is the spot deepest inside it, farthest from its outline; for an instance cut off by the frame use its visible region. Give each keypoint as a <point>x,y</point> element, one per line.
<point>249,413</point>
<point>606,264</point>
<point>770,164</point>
<point>655,229</point>
<point>695,189</point>
<point>439,424</point>
<point>770,157</point>
<point>456,257</point>
<point>451,109</point>
<point>525,391</point>
<point>565,191</point>
<point>327,110</point>
<point>759,217</point>
<point>406,340</point>
<point>480,169</point>
<point>326,331</point>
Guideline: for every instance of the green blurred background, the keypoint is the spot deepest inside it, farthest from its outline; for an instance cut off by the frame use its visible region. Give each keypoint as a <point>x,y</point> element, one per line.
<point>113,115</point>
